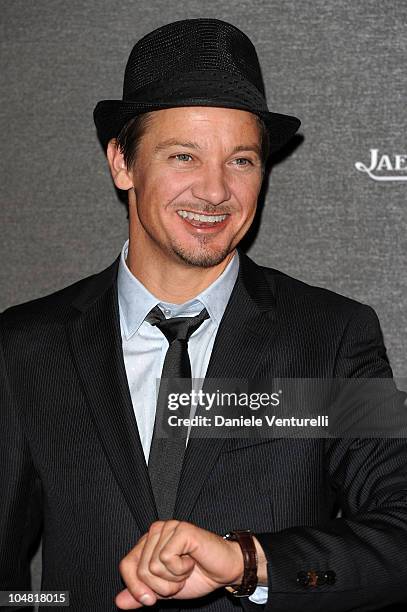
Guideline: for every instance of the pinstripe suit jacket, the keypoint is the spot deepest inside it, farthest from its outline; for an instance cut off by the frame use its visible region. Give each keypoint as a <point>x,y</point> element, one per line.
<point>73,467</point>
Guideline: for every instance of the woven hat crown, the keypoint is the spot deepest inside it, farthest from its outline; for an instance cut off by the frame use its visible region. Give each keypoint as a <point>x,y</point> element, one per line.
<point>188,46</point>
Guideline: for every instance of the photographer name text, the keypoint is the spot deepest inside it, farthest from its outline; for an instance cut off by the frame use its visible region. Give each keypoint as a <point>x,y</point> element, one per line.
<point>251,421</point>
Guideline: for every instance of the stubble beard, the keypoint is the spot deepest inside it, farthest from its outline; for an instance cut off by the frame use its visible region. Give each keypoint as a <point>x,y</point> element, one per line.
<point>203,256</point>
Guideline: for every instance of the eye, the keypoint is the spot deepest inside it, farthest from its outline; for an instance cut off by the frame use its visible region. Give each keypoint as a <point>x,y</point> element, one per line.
<point>183,157</point>
<point>242,161</point>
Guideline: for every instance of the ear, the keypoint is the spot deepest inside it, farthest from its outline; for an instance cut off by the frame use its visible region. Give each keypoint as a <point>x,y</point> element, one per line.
<point>121,176</point>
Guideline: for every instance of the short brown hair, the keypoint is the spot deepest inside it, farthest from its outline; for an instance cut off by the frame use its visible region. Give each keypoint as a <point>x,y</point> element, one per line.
<point>131,134</point>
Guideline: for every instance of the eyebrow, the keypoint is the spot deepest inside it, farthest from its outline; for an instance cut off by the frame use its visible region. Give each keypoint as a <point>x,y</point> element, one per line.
<point>172,142</point>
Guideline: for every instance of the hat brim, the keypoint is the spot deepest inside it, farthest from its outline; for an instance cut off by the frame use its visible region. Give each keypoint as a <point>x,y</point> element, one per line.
<point>111,116</point>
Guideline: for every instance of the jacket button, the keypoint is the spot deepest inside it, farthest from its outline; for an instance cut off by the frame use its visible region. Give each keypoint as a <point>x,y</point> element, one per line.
<point>315,579</point>
<point>302,578</point>
<point>330,577</point>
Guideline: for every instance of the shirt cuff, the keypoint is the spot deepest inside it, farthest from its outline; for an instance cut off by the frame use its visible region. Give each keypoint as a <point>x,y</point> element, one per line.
<point>260,595</point>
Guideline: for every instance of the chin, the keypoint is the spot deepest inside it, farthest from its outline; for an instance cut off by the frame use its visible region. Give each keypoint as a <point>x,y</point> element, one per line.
<point>202,257</point>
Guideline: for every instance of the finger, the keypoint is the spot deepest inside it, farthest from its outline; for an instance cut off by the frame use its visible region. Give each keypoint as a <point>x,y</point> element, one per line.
<point>181,566</point>
<point>137,592</point>
<point>162,566</point>
<point>214,557</point>
<point>179,553</point>
<point>158,533</point>
<point>125,601</point>
<point>175,552</point>
<point>150,570</point>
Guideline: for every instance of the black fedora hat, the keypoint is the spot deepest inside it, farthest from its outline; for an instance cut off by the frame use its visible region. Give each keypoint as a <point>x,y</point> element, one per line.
<point>194,62</point>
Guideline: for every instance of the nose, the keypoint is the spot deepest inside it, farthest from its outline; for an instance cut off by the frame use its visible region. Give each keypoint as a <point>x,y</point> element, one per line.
<point>211,185</point>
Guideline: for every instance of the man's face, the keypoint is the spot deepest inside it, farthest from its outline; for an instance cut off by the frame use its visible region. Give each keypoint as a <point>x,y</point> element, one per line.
<point>196,178</point>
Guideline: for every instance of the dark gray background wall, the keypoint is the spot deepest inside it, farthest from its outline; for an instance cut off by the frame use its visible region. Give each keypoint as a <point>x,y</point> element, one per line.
<point>338,65</point>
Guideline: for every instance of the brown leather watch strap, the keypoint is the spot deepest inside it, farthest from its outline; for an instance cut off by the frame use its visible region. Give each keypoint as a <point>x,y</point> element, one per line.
<point>249,581</point>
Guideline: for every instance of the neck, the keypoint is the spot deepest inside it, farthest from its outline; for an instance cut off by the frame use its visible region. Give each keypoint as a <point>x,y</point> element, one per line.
<point>171,281</point>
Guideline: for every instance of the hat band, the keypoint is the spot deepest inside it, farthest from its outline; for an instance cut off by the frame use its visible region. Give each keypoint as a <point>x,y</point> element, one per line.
<point>209,86</point>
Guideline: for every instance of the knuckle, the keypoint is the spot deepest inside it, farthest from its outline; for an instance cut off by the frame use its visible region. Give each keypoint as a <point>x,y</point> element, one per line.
<point>155,567</point>
<point>185,527</point>
<point>172,523</point>
<point>156,527</point>
<point>165,556</point>
<point>123,565</point>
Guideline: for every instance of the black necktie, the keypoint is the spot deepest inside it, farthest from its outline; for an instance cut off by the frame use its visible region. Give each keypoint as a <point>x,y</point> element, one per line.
<point>166,453</point>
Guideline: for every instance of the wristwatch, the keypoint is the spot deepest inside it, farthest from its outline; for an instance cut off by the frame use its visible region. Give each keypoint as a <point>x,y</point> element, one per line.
<point>249,581</point>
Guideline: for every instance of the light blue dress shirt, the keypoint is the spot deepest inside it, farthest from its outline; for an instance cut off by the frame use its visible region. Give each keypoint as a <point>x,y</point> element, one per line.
<point>144,346</point>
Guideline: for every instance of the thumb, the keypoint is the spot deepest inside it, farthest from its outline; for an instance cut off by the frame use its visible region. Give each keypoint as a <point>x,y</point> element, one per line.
<point>180,565</point>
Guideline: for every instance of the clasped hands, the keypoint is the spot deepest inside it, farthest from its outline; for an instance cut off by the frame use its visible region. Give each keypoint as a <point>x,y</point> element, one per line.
<point>179,560</point>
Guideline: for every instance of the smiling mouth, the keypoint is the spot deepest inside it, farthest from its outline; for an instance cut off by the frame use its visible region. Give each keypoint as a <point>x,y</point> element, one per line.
<point>200,218</point>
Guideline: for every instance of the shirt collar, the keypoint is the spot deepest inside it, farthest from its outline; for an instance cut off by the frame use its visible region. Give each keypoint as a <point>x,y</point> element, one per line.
<point>135,301</point>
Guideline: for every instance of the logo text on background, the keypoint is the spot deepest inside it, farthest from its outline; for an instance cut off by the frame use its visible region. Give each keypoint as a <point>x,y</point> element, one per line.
<point>385,167</point>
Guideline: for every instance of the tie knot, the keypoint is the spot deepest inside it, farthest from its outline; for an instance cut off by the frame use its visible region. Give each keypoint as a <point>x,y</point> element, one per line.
<point>176,328</point>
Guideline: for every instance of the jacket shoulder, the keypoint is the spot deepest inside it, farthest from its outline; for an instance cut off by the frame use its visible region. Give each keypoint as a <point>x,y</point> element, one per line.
<point>288,290</point>
<point>59,305</point>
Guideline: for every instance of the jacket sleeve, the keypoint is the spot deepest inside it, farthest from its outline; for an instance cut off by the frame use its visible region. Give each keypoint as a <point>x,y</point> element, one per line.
<point>20,499</point>
<point>357,561</point>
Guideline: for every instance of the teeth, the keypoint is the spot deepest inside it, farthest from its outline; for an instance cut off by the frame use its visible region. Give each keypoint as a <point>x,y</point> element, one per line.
<point>205,218</point>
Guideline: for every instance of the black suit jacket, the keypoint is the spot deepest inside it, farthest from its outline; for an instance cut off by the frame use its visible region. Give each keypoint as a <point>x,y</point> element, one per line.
<point>72,464</point>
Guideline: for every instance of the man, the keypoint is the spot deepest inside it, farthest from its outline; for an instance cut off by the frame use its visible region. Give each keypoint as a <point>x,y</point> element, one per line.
<point>79,450</point>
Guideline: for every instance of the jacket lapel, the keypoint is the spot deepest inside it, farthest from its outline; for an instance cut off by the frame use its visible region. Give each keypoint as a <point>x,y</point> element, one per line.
<point>244,336</point>
<point>95,342</point>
